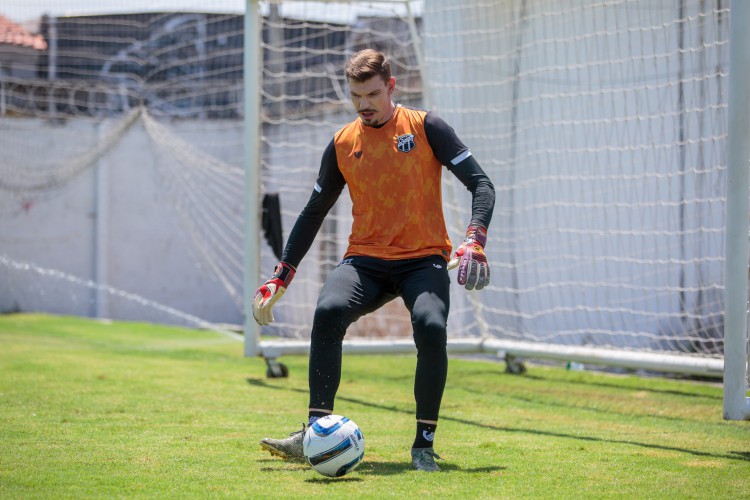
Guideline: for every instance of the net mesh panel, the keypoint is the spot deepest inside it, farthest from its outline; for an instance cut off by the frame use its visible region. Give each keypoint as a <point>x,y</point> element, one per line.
<point>601,124</point>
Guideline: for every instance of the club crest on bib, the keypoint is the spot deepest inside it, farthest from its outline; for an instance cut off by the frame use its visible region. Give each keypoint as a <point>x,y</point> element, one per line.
<point>405,143</point>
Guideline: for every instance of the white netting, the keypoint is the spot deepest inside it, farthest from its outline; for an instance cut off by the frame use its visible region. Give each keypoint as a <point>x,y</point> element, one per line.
<point>601,123</point>
<point>603,126</point>
<point>124,138</point>
<point>123,151</point>
<point>305,46</point>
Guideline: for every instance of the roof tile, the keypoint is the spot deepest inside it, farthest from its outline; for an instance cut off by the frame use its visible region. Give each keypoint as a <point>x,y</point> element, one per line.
<point>14,34</point>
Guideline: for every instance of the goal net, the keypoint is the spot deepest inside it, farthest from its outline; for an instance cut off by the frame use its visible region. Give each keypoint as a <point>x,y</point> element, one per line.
<point>603,127</point>
<point>121,179</point>
<point>602,124</point>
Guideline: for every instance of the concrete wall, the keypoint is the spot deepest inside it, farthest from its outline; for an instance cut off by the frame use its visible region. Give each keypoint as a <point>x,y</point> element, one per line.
<point>113,225</point>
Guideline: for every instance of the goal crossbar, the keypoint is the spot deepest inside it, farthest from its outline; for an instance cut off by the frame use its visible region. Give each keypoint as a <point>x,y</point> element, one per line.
<point>608,139</point>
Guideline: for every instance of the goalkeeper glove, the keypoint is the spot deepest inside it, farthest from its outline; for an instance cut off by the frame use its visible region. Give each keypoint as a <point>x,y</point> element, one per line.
<point>267,295</point>
<point>473,270</point>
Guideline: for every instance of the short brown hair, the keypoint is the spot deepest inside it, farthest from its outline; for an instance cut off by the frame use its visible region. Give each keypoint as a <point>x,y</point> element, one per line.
<point>367,63</point>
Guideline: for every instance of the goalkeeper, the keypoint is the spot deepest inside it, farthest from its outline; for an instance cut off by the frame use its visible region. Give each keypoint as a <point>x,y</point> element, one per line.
<point>391,158</point>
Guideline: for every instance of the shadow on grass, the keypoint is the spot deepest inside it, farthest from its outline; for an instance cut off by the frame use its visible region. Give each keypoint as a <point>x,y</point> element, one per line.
<point>334,480</point>
<point>744,456</point>
<point>375,468</point>
<point>613,384</point>
<point>368,468</point>
<point>541,401</point>
<point>259,382</point>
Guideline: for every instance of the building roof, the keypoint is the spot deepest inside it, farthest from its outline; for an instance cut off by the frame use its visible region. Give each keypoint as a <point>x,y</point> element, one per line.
<point>14,34</point>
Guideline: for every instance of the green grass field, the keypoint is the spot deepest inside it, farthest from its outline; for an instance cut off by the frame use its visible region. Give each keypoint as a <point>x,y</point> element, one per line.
<point>89,409</point>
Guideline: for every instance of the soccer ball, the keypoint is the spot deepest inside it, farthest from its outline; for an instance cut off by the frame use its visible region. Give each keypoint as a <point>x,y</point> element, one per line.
<point>334,445</point>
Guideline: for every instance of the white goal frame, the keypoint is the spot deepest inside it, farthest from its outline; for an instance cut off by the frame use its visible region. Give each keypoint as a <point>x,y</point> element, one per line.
<point>736,402</point>
<point>733,367</point>
<point>252,60</point>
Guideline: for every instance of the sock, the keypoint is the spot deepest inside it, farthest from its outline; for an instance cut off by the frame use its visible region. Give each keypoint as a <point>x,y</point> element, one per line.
<point>425,435</point>
<point>312,416</point>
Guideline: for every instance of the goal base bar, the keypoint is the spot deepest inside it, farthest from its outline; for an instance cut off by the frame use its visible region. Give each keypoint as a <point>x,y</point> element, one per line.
<point>668,363</point>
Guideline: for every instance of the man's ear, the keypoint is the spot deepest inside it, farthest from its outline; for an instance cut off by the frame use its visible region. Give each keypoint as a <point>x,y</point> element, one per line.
<point>391,85</point>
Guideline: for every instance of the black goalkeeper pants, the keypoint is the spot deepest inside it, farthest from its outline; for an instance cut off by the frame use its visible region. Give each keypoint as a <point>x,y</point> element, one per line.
<point>360,285</point>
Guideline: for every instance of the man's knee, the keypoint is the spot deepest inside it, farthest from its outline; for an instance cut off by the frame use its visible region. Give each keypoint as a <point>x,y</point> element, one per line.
<point>330,321</point>
<point>430,332</point>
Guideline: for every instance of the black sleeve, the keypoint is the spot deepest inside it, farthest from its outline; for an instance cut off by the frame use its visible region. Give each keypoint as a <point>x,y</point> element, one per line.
<point>443,139</point>
<point>327,190</point>
<point>452,153</point>
<point>482,190</point>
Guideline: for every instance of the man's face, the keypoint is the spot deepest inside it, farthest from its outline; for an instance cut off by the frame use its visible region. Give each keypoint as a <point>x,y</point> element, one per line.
<point>372,99</point>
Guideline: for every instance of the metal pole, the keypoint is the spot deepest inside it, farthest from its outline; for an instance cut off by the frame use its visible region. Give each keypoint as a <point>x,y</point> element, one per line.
<point>252,80</point>
<point>101,233</point>
<point>427,97</point>
<point>52,65</point>
<point>736,403</point>
<point>3,105</point>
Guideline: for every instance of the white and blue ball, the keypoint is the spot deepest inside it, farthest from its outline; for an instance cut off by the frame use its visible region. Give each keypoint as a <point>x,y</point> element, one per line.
<point>334,445</point>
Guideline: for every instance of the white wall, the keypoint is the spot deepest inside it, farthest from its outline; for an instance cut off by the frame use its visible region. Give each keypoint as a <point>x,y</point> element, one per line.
<point>145,251</point>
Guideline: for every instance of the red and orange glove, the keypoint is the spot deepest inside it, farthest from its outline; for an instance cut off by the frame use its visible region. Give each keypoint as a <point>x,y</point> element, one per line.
<point>473,270</point>
<point>267,295</point>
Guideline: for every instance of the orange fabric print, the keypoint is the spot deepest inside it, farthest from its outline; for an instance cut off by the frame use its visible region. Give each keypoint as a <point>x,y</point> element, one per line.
<point>394,181</point>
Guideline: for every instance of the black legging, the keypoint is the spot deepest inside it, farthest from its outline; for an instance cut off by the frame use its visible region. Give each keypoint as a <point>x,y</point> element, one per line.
<point>360,285</point>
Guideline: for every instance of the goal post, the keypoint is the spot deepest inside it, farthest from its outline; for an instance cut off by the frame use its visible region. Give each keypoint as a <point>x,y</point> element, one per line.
<point>604,129</point>
<point>252,106</point>
<point>736,401</point>
<point>615,133</point>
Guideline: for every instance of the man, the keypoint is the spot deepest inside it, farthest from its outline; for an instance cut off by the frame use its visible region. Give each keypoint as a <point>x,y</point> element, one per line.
<point>391,158</point>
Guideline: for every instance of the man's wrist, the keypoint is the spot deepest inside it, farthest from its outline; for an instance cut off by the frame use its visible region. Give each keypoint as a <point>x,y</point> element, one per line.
<point>284,272</point>
<point>476,233</point>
